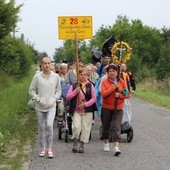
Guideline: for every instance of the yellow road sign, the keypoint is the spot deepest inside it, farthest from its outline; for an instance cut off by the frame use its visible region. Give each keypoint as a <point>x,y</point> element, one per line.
<point>70,25</point>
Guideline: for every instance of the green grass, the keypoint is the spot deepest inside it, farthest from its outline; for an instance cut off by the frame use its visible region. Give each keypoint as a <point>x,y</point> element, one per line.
<point>17,124</point>
<point>155,93</point>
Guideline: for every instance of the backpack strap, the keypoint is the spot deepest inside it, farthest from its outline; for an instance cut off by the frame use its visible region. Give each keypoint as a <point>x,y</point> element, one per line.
<point>88,91</point>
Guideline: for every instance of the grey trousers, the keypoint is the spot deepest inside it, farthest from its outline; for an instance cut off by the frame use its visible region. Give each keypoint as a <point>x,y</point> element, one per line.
<point>45,128</point>
<point>108,117</point>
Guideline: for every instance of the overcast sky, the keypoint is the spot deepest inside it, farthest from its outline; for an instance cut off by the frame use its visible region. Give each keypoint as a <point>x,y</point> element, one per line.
<point>39,18</point>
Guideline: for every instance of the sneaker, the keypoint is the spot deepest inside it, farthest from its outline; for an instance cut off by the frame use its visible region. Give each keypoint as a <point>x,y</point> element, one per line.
<point>117,151</point>
<point>42,153</point>
<point>75,149</point>
<point>81,150</point>
<point>106,147</point>
<point>50,153</point>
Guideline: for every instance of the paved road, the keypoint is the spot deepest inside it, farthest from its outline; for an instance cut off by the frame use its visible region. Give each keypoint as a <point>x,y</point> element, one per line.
<point>149,150</point>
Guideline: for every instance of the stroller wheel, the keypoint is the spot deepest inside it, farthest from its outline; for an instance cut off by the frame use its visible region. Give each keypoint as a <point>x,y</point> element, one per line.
<point>90,136</point>
<point>66,136</point>
<point>59,132</point>
<point>130,134</point>
<point>100,133</point>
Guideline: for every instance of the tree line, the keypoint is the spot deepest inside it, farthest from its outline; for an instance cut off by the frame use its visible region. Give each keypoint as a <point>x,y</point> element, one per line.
<point>150,57</point>
<point>16,56</point>
<point>151,47</point>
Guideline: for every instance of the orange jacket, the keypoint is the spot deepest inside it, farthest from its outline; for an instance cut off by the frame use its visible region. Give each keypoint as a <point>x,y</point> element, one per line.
<point>108,94</point>
<point>125,77</point>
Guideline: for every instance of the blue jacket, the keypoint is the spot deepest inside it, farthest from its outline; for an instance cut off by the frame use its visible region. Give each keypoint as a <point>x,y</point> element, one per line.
<point>101,70</point>
<point>99,97</point>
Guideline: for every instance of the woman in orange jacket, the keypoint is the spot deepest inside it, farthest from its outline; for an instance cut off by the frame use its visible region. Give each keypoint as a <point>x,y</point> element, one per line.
<point>112,112</point>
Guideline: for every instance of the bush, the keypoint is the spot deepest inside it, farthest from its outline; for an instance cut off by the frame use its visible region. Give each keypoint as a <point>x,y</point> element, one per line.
<point>15,57</point>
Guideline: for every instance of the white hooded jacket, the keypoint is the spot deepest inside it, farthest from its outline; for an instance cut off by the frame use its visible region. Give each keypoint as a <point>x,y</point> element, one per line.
<point>45,90</point>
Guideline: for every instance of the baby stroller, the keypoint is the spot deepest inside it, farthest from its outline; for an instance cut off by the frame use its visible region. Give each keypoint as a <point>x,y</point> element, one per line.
<point>64,118</point>
<point>64,121</point>
<point>126,127</point>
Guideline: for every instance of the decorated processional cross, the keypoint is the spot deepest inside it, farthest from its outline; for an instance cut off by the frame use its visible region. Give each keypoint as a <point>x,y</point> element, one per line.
<point>121,52</point>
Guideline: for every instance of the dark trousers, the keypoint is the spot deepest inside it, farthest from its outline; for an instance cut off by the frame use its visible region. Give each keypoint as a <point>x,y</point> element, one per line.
<point>114,117</point>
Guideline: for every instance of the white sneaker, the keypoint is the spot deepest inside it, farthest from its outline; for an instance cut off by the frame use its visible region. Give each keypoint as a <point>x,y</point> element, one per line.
<point>106,147</point>
<point>117,151</point>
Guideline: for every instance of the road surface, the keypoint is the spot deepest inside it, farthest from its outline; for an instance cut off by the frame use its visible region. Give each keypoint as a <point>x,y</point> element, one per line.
<point>149,149</point>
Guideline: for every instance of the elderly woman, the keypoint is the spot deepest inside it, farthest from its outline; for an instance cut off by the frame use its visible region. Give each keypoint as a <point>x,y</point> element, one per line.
<point>72,74</point>
<point>82,99</point>
<point>63,72</point>
<point>111,111</point>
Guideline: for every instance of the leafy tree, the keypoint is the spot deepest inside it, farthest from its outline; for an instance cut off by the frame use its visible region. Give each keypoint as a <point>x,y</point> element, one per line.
<point>165,33</point>
<point>67,52</point>
<point>101,36</point>
<point>40,56</point>
<point>8,17</point>
<point>16,57</point>
<point>145,41</point>
<point>58,55</point>
<point>150,49</point>
<point>163,66</point>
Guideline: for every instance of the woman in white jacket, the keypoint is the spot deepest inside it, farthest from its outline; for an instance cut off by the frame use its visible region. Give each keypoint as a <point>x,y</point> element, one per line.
<point>45,89</point>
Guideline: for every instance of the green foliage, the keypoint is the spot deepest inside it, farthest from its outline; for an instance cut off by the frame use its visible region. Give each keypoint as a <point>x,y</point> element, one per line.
<point>156,92</point>
<point>67,52</point>
<point>100,37</point>
<point>12,106</point>
<point>39,56</point>
<point>151,47</point>
<point>165,32</point>
<point>8,17</point>
<point>18,125</point>
<point>145,41</point>
<point>163,67</point>
<point>15,57</point>
<point>5,80</point>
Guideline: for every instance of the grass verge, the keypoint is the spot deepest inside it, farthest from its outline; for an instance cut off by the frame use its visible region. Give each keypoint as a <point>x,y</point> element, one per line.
<point>154,93</point>
<point>17,124</point>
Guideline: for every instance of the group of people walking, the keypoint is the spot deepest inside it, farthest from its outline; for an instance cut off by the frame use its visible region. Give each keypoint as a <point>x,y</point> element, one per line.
<point>86,83</point>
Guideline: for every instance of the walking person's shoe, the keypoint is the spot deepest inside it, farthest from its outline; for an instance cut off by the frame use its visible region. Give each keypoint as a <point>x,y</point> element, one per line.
<point>42,153</point>
<point>117,151</point>
<point>106,147</point>
<point>81,148</point>
<point>50,153</point>
<point>75,146</point>
<point>75,149</point>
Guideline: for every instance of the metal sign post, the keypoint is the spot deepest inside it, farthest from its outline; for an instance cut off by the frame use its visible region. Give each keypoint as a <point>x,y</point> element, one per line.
<point>74,28</point>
